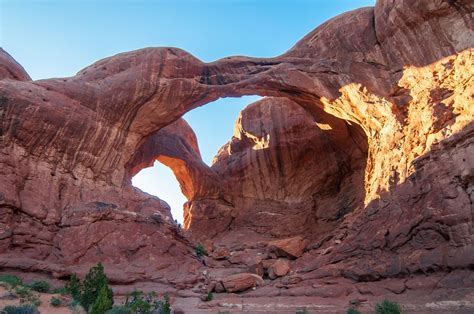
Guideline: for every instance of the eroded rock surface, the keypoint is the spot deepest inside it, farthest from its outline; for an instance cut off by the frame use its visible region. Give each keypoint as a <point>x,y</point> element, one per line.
<point>389,91</point>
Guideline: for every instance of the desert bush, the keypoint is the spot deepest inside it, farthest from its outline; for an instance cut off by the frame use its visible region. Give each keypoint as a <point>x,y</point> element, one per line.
<point>210,296</point>
<point>20,309</point>
<point>104,301</point>
<point>23,292</point>
<point>388,307</point>
<point>55,302</point>
<point>40,286</point>
<point>141,303</point>
<point>352,311</point>
<point>10,280</point>
<point>119,310</point>
<point>200,250</point>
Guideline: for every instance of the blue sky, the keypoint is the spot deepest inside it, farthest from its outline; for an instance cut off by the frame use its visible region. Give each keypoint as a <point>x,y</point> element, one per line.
<point>57,38</point>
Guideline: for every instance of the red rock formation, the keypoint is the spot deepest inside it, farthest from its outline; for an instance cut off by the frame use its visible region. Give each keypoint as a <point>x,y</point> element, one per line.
<point>286,173</point>
<point>401,72</point>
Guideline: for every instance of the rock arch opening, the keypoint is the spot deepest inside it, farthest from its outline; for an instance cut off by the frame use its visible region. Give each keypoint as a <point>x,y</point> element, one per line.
<point>198,136</point>
<point>285,171</point>
<point>159,180</point>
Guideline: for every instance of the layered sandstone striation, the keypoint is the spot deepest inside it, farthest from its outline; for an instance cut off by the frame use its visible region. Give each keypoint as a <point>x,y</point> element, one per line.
<point>364,149</point>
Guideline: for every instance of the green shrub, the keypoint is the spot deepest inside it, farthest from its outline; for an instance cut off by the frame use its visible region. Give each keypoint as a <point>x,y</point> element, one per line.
<point>93,284</point>
<point>138,302</point>
<point>74,287</point>
<point>302,311</point>
<point>388,307</point>
<point>165,306</point>
<point>40,286</point>
<point>119,310</point>
<point>11,280</point>
<point>20,309</point>
<point>55,302</point>
<point>352,311</point>
<point>141,303</point>
<point>200,250</point>
<point>104,301</point>
<point>210,296</point>
<point>23,292</point>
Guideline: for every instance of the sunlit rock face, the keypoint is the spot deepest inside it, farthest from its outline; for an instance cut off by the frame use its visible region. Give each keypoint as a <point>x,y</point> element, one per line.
<point>387,195</point>
<point>284,173</point>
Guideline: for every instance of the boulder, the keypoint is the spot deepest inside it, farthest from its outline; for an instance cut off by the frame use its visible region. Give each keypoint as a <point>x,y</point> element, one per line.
<point>241,282</point>
<point>280,268</point>
<point>290,247</point>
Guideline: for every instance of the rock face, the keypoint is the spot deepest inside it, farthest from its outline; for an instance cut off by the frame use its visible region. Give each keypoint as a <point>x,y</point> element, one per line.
<point>376,173</point>
<point>283,173</point>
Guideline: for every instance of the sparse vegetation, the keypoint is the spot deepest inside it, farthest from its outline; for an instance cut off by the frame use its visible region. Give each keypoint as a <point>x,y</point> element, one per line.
<point>302,311</point>
<point>20,309</point>
<point>352,311</point>
<point>93,296</point>
<point>200,250</point>
<point>56,302</point>
<point>119,310</point>
<point>40,286</point>
<point>141,303</point>
<point>27,296</point>
<point>388,307</point>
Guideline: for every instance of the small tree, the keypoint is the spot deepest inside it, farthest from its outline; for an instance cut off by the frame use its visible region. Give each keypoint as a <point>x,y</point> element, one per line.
<point>95,281</point>
<point>74,287</point>
<point>104,301</point>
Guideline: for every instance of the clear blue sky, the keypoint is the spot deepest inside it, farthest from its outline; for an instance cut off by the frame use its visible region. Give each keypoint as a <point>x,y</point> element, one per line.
<point>57,38</point>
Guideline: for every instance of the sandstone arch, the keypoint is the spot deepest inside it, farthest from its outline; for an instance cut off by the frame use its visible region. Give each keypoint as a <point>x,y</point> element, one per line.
<point>401,71</point>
